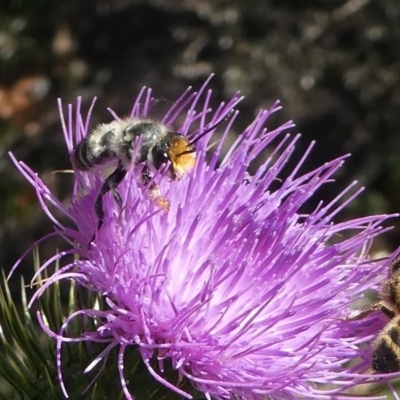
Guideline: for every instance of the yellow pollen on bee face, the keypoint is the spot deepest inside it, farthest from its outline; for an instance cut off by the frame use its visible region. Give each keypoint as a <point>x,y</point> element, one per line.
<point>181,161</point>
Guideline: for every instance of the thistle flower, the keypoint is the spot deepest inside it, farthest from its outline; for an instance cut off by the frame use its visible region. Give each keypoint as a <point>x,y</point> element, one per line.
<point>235,288</point>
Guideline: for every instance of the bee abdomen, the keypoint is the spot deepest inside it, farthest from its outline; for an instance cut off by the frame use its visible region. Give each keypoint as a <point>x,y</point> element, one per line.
<point>386,356</point>
<point>88,153</point>
<point>84,159</point>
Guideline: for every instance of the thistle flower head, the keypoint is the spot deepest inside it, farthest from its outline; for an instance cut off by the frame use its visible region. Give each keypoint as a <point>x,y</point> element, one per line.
<point>236,287</point>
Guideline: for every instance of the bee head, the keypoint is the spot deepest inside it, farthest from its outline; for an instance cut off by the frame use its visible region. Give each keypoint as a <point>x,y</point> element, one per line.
<point>176,149</point>
<point>182,156</point>
<point>181,152</point>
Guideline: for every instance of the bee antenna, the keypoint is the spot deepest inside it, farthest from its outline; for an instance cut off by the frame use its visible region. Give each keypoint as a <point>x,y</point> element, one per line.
<point>212,127</point>
<point>207,130</point>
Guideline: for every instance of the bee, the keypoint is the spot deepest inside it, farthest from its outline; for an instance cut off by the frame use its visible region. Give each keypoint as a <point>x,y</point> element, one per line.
<point>159,145</point>
<point>386,354</point>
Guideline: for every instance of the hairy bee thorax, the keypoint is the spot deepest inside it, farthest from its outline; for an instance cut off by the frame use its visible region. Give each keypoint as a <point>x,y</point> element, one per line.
<point>391,289</point>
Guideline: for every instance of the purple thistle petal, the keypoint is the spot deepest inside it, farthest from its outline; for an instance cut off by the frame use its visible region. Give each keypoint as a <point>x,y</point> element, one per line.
<point>239,289</point>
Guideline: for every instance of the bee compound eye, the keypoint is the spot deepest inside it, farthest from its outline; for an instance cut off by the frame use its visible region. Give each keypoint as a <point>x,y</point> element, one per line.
<point>160,157</point>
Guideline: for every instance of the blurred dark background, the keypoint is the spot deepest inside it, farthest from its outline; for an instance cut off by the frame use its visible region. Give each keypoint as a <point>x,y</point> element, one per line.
<point>335,65</point>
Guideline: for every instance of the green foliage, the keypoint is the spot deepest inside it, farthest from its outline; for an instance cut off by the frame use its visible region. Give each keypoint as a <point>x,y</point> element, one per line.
<point>28,355</point>
<point>27,362</point>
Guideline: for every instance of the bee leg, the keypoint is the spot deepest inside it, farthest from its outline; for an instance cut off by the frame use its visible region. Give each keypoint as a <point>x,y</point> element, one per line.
<point>385,309</point>
<point>147,179</point>
<point>110,184</point>
<point>363,312</point>
<point>395,266</point>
